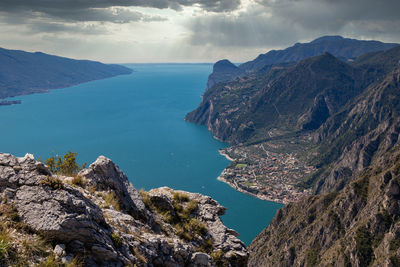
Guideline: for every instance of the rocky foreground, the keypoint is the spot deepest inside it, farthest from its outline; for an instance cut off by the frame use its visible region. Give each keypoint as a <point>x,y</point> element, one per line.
<point>97,218</point>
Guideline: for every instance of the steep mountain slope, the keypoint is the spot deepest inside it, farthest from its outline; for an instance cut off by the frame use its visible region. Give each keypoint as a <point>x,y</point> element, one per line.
<point>292,98</point>
<point>97,218</point>
<point>343,48</point>
<point>25,73</point>
<point>349,140</point>
<point>354,221</point>
<point>358,226</point>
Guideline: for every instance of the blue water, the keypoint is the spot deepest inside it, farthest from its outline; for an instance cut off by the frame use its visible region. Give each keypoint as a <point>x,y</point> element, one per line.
<point>137,121</point>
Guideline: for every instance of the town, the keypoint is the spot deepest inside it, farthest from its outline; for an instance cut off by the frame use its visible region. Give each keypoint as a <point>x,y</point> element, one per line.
<point>261,171</point>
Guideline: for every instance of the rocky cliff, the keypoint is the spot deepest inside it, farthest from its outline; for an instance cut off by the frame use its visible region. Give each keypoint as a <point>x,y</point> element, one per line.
<point>354,219</point>
<point>97,218</point>
<point>358,226</point>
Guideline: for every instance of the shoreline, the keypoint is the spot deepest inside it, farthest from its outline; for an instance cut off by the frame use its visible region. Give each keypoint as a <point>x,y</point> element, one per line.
<point>270,177</point>
<point>241,190</point>
<point>222,153</point>
<point>237,188</point>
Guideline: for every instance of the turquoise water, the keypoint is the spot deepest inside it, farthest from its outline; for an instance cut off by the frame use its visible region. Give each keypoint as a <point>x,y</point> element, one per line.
<point>137,121</point>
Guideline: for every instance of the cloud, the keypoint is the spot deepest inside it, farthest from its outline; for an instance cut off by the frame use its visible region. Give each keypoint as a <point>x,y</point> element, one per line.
<point>53,7</point>
<point>278,23</point>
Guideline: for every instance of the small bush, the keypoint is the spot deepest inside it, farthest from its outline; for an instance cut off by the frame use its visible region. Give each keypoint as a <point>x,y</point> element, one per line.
<point>139,255</point>
<point>35,247</point>
<point>197,227</point>
<point>145,198</point>
<point>361,188</point>
<point>10,212</point>
<point>116,239</point>
<point>218,257</point>
<point>363,245</point>
<point>52,182</point>
<point>112,200</point>
<point>180,197</point>
<point>4,245</point>
<point>191,206</point>
<point>79,181</point>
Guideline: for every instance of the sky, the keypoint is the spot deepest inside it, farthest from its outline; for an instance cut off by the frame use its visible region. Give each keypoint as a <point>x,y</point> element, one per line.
<point>142,31</point>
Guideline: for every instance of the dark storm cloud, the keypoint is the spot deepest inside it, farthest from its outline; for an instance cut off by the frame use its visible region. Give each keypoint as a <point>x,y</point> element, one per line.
<point>58,6</point>
<point>282,22</point>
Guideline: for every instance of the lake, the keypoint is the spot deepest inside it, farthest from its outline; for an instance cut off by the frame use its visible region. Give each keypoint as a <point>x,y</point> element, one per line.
<point>137,121</point>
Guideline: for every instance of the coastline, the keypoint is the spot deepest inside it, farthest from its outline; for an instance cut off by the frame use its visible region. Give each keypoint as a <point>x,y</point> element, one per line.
<point>263,174</point>
<point>237,188</point>
<point>221,152</point>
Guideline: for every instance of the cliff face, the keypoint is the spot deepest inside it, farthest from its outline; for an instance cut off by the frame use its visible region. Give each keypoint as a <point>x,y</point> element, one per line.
<point>292,98</point>
<point>354,219</point>
<point>358,226</point>
<point>366,128</point>
<point>98,219</point>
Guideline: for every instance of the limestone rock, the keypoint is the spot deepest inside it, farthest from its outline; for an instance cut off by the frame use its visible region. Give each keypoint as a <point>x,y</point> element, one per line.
<point>106,175</point>
<point>76,218</point>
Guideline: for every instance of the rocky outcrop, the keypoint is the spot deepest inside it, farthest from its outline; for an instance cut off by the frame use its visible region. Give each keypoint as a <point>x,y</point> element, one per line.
<point>99,218</point>
<point>223,71</point>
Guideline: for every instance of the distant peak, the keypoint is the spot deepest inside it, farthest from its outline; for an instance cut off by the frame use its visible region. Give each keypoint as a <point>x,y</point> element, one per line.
<point>328,38</point>
<point>223,65</point>
<point>223,62</point>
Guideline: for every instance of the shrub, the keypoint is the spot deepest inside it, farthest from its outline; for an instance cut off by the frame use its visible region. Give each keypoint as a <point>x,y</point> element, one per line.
<point>361,188</point>
<point>52,182</point>
<point>65,165</point>
<point>191,207</point>
<point>218,257</point>
<point>116,239</point>
<point>4,245</point>
<point>79,181</point>
<point>139,255</point>
<point>363,245</point>
<point>112,200</point>
<point>180,197</point>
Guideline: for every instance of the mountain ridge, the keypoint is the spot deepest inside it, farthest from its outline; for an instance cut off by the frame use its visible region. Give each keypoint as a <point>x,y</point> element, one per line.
<point>23,72</point>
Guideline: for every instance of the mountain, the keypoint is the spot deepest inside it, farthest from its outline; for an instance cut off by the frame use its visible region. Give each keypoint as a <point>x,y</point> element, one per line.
<point>26,73</point>
<point>97,218</point>
<point>348,114</point>
<point>357,226</point>
<point>238,110</point>
<point>354,218</point>
<point>223,71</point>
<point>343,48</point>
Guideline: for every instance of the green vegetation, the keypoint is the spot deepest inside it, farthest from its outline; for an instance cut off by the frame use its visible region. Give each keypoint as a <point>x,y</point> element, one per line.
<point>312,257</point>
<point>4,244</point>
<point>218,257</point>
<point>139,255</point>
<point>79,181</point>
<point>52,182</point>
<point>361,188</point>
<point>112,200</point>
<point>116,239</point>
<point>363,245</point>
<point>65,165</point>
<point>180,197</point>
<point>240,165</point>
